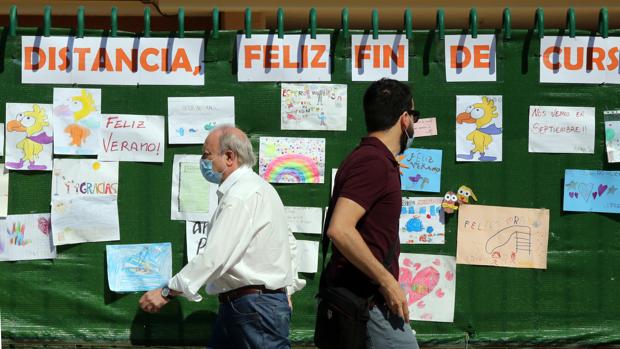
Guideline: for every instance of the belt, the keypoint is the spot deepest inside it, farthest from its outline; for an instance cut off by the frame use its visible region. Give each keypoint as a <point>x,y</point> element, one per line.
<point>230,296</point>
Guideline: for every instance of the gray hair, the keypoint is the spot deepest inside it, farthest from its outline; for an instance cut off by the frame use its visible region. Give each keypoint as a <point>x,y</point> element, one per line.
<point>237,142</point>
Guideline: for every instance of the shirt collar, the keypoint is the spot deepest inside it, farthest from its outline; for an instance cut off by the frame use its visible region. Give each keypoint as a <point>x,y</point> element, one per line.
<point>375,142</point>
<point>231,180</point>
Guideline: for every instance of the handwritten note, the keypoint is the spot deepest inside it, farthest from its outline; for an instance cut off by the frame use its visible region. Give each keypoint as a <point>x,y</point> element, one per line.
<point>132,138</point>
<point>561,129</point>
<point>422,221</point>
<point>307,256</point>
<point>190,119</point>
<point>196,234</point>
<point>592,191</point>
<point>502,236</point>
<point>425,127</point>
<point>612,135</point>
<point>320,107</point>
<point>420,170</point>
<point>304,219</point>
<point>193,198</point>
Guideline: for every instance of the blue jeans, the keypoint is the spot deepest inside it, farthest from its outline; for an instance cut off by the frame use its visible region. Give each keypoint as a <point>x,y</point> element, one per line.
<point>254,321</point>
<point>389,331</point>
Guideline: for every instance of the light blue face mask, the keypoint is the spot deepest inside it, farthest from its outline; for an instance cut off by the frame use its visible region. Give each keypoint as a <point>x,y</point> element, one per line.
<point>206,168</point>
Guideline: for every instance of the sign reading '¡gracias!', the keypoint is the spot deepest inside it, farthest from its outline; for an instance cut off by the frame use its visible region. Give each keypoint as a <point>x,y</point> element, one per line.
<point>112,61</point>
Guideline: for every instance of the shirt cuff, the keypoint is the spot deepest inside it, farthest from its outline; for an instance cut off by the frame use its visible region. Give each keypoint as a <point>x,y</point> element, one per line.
<point>297,285</point>
<point>177,284</point>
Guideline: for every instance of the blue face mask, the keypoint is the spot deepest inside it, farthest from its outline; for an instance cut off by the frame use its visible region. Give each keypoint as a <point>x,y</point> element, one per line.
<point>206,168</point>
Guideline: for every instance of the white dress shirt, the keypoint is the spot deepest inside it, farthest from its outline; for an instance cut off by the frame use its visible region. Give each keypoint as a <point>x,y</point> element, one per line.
<point>249,242</point>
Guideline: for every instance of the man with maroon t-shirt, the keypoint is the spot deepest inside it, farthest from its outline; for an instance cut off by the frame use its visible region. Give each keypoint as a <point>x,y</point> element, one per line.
<point>363,215</point>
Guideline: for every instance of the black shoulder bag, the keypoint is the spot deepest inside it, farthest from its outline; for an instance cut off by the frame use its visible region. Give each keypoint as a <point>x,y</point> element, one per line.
<point>342,316</point>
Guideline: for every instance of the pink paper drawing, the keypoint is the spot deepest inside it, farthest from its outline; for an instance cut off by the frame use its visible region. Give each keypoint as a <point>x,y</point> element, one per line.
<point>429,285</point>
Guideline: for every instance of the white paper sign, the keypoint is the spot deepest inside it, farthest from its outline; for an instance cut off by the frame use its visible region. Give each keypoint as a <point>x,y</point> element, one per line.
<point>78,177</point>
<point>307,256</point>
<point>469,59</point>
<point>196,234</point>
<point>132,138</point>
<point>2,140</point>
<point>112,61</point>
<point>296,57</point>
<point>193,198</point>
<point>321,107</point>
<point>384,57</point>
<point>4,190</point>
<point>77,117</point>
<point>556,129</point>
<point>579,60</point>
<point>304,219</point>
<point>190,119</point>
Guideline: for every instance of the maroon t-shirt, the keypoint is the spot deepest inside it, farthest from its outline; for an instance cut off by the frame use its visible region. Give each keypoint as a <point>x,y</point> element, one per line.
<point>369,176</point>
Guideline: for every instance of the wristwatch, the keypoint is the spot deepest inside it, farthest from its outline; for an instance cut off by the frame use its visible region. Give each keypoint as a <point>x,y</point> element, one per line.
<point>165,292</point>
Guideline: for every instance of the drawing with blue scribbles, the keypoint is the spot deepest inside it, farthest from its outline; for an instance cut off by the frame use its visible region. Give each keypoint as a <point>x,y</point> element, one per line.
<point>139,267</point>
<point>422,221</point>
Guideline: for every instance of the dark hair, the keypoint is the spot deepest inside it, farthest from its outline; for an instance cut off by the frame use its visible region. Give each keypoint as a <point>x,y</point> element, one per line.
<point>384,102</point>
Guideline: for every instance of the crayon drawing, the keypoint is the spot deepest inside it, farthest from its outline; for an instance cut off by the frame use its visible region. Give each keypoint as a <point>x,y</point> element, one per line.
<point>502,236</point>
<point>139,267</point>
<point>313,107</point>
<point>612,135</point>
<point>29,137</point>
<point>77,219</point>
<point>292,160</point>
<point>4,191</point>
<point>429,282</point>
<point>479,128</point>
<point>420,169</point>
<point>77,114</point>
<point>592,191</point>
<point>422,221</point>
<point>190,119</point>
<point>26,237</point>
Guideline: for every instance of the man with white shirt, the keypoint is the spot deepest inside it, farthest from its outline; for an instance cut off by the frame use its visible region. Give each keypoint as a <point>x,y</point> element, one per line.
<point>249,260</point>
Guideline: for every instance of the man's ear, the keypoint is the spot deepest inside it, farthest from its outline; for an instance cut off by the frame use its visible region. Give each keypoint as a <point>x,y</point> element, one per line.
<point>231,157</point>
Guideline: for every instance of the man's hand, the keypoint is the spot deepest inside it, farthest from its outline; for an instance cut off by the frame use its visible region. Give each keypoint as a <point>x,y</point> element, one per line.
<point>395,299</point>
<point>152,301</point>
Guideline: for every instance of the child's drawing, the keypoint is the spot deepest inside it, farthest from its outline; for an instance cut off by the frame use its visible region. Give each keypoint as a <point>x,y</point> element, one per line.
<point>612,135</point>
<point>77,114</point>
<point>420,169</point>
<point>140,267</point>
<point>29,136</point>
<point>592,191</point>
<point>422,221</point>
<point>190,119</point>
<point>502,236</point>
<point>313,107</point>
<point>479,128</point>
<point>292,160</point>
<point>26,237</point>
<point>429,283</point>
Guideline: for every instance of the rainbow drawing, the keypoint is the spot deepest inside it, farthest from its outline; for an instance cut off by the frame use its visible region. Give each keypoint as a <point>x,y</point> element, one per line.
<point>292,168</point>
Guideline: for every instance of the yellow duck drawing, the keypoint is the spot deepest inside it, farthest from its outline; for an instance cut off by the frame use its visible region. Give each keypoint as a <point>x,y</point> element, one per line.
<point>481,114</point>
<point>79,107</point>
<point>32,123</point>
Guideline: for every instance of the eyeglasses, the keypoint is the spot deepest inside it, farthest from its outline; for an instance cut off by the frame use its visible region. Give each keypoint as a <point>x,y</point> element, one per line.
<point>414,113</point>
